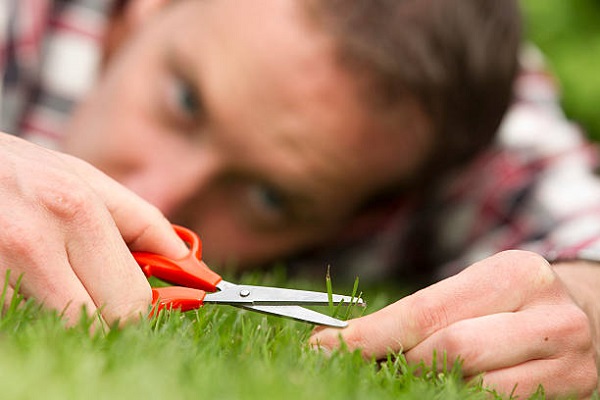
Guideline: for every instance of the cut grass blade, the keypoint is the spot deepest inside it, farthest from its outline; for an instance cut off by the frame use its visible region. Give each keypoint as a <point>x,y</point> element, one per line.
<point>355,302</point>
<point>329,289</point>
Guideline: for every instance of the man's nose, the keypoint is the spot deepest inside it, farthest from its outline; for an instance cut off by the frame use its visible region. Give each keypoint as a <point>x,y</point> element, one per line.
<point>169,182</point>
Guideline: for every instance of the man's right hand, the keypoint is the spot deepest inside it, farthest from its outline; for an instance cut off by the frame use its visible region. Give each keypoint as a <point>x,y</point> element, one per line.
<point>68,230</point>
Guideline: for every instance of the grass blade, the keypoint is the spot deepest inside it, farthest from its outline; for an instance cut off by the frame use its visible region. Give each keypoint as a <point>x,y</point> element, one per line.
<point>329,289</point>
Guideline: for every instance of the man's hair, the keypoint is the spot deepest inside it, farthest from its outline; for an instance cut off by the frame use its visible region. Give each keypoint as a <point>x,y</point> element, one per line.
<point>455,58</point>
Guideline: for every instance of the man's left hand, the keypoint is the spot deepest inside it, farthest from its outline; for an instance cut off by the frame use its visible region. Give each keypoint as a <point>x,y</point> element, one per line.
<point>508,317</point>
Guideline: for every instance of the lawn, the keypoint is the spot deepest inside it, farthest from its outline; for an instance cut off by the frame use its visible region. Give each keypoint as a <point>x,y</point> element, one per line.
<point>217,352</point>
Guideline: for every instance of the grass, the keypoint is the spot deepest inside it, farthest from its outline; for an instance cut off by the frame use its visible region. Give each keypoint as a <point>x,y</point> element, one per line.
<point>216,352</point>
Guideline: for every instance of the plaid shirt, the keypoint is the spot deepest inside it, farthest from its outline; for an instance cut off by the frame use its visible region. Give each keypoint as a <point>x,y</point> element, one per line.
<point>49,56</point>
<point>534,189</point>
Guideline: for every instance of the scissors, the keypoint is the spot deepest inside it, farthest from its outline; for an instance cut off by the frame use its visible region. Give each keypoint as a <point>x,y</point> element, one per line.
<point>198,285</point>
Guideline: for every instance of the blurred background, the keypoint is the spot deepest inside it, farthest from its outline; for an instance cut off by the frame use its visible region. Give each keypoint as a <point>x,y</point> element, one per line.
<point>568,33</point>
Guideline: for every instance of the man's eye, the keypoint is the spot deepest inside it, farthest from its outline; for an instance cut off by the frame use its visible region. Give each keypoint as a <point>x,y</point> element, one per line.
<point>267,198</point>
<point>183,104</point>
<point>186,98</point>
<point>268,204</point>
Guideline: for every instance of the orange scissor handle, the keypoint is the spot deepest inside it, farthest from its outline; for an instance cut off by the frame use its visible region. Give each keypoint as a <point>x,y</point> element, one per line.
<point>176,297</point>
<point>188,271</point>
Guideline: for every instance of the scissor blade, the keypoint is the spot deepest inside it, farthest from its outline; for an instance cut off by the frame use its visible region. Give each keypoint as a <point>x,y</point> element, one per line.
<point>265,295</point>
<point>300,314</point>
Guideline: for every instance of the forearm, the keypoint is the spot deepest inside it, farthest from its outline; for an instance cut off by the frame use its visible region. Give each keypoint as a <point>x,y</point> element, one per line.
<point>582,279</point>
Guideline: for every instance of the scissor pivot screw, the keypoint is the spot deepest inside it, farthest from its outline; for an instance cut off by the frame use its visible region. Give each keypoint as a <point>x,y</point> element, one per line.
<point>244,293</point>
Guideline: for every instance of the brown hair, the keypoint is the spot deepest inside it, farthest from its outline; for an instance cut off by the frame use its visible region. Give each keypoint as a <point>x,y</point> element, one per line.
<point>456,58</point>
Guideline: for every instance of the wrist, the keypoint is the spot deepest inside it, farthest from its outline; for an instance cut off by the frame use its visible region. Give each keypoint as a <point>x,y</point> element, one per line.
<point>582,280</point>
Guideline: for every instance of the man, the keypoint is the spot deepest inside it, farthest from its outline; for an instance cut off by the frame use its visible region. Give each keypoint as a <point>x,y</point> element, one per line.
<point>275,128</point>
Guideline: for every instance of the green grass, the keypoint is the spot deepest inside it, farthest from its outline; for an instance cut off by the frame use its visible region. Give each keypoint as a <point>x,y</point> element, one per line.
<point>217,352</point>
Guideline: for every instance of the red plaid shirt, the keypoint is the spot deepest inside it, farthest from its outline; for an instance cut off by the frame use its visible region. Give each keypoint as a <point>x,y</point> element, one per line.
<point>49,56</point>
<point>534,189</point>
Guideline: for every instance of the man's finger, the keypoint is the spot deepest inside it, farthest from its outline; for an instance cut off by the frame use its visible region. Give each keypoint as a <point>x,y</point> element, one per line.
<point>524,379</point>
<point>107,269</point>
<point>142,226</point>
<point>47,276</point>
<point>501,340</point>
<point>505,282</point>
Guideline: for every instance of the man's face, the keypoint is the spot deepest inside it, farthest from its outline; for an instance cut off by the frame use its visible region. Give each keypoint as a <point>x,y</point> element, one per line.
<point>234,119</point>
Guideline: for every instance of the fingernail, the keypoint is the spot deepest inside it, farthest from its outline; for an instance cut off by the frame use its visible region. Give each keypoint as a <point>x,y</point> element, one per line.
<point>318,339</point>
<point>321,349</point>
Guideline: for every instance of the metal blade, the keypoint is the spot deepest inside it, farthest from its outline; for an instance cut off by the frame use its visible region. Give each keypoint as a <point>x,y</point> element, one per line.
<point>290,311</point>
<point>264,295</point>
<point>300,314</point>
